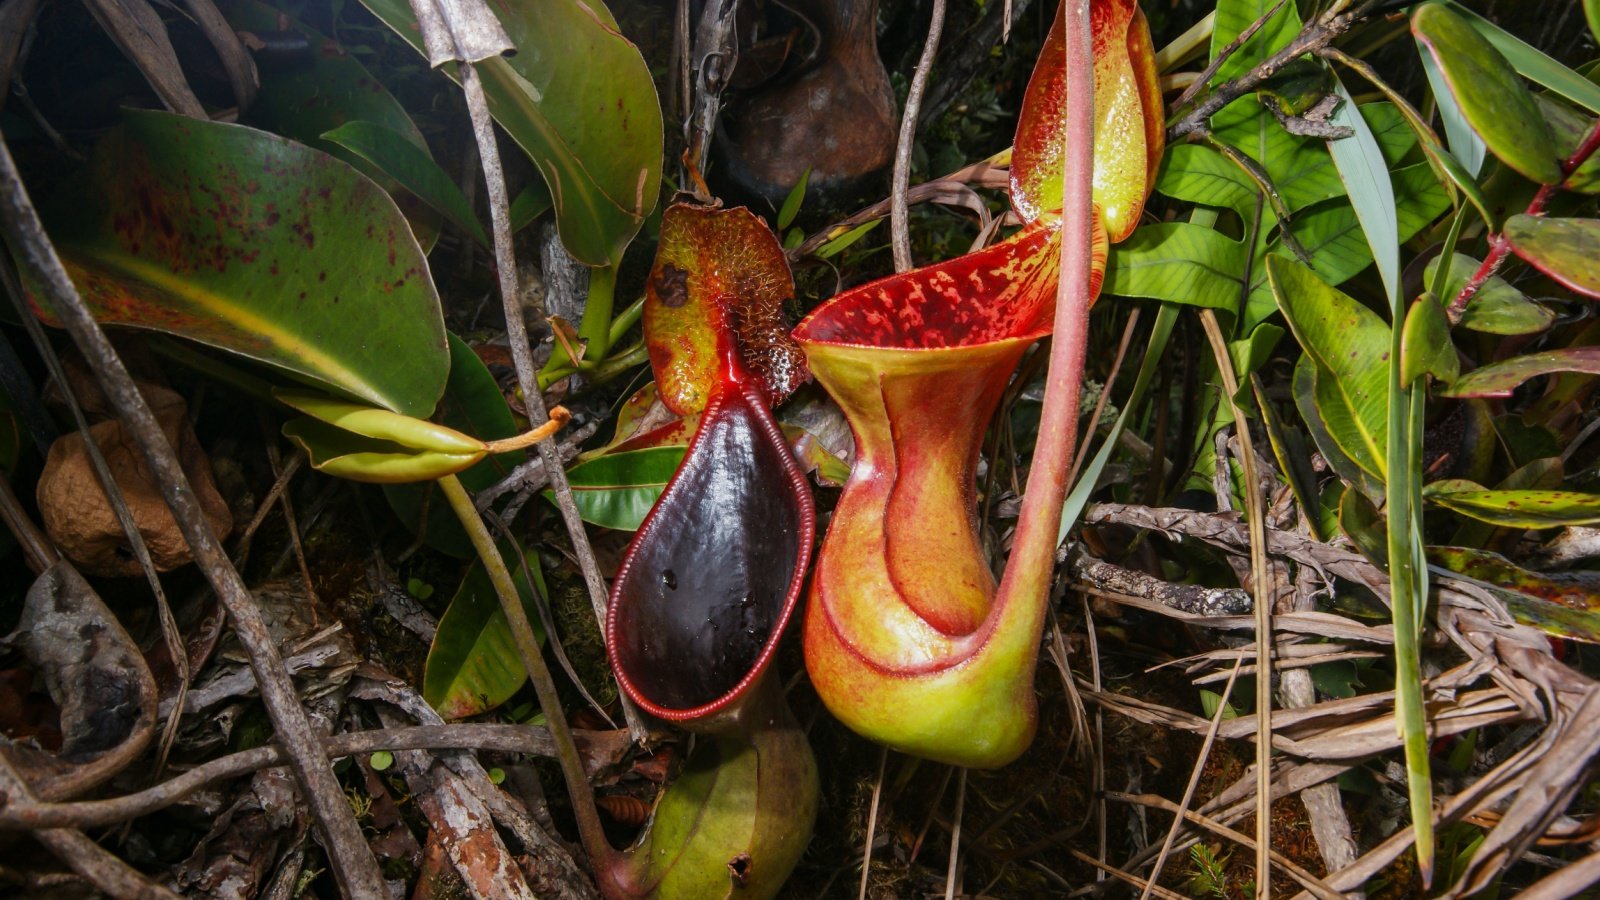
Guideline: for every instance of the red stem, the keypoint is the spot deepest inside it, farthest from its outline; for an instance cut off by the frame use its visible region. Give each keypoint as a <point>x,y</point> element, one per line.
<point>1034,549</point>
<point>1499,247</point>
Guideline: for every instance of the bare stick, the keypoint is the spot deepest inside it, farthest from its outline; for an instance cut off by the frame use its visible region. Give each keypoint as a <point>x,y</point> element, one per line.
<point>349,855</point>
<point>898,211</point>
<point>74,848</point>
<point>955,836</point>
<point>872,821</point>
<point>1263,606</point>
<point>113,811</point>
<point>1194,780</point>
<point>522,358</point>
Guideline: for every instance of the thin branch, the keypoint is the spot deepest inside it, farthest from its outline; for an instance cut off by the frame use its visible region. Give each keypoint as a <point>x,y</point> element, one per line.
<point>101,813</point>
<point>1224,55</point>
<point>349,855</point>
<point>900,237</point>
<point>522,360</point>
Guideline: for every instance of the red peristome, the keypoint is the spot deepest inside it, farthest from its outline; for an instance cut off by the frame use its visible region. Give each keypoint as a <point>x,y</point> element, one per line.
<point>714,573</point>
<point>1006,290</point>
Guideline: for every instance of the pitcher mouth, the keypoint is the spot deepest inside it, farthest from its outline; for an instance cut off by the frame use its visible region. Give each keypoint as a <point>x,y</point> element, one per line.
<point>1005,291</point>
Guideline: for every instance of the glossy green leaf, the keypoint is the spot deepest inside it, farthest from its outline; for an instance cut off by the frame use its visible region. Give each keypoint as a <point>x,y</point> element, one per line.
<point>1534,65</point>
<point>414,169</point>
<point>1591,12</point>
<point>530,203</point>
<point>1491,96</point>
<point>617,490</point>
<point>1298,166</point>
<point>344,454</point>
<point>791,203</point>
<point>472,404</point>
<point>257,245</point>
<point>473,665</point>
<point>1180,262</point>
<point>1365,175</point>
<point>1514,508</point>
<point>1425,346</point>
<point>380,424</point>
<point>1350,347</point>
<point>578,98</point>
<point>1196,173</point>
<point>1497,307</point>
<point>1332,235</point>
<point>1564,249</point>
<point>1501,378</point>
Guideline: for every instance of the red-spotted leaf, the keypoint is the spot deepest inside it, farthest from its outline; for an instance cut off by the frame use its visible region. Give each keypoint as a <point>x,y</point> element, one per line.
<point>260,246</point>
<point>1564,249</point>
<point>1501,378</point>
<point>714,573</point>
<point>1129,127</point>
<point>1515,508</point>
<point>717,288</point>
<point>313,89</point>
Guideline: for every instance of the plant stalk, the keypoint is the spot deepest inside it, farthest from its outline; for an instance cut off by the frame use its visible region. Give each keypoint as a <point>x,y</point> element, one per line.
<point>578,788</point>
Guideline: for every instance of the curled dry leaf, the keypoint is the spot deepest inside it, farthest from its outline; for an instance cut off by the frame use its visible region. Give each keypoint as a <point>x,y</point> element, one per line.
<point>78,514</point>
<point>93,671</point>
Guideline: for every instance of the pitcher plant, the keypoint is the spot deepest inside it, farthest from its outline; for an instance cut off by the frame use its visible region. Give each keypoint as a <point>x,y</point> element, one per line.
<point>908,639</point>
<point>715,571</point>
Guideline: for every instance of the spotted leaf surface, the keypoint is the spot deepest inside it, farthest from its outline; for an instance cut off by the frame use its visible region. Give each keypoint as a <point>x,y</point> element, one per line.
<point>260,246</point>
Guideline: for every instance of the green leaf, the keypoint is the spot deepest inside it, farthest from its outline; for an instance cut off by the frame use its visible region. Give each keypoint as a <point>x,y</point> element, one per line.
<point>1564,249</point>
<point>1425,346</point>
<point>380,424</point>
<point>1332,235</point>
<point>472,403</point>
<point>1196,173</point>
<point>259,246</point>
<point>1350,347</point>
<point>473,665</point>
<point>1491,96</point>
<point>1497,307</point>
<point>531,203</point>
<point>345,454</point>
<point>617,490</point>
<point>1366,179</point>
<point>414,169</point>
<point>843,242</point>
<point>1501,378</point>
<point>1305,401</point>
<point>1180,262</point>
<point>1516,509</point>
<point>381,760</point>
<point>1250,354</point>
<point>791,203</point>
<point>1534,65</point>
<point>1570,127</point>
<point>578,98</point>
